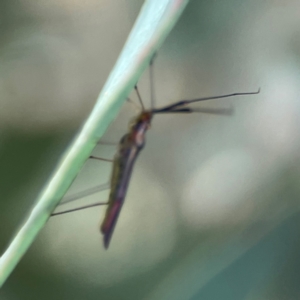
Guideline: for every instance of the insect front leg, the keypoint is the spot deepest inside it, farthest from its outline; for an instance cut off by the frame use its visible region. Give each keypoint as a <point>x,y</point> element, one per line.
<point>102,159</point>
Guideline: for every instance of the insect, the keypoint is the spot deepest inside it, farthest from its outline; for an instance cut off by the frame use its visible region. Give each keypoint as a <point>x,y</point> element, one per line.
<point>129,148</point>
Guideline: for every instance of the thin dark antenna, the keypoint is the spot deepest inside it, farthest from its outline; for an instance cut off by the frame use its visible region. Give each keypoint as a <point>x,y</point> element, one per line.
<point>186,102</point>
<point>139,97</point>
<point>152,92</point>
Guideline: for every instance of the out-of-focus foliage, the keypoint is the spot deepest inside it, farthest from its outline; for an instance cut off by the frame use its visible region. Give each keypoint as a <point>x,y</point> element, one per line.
<point>212,208</point>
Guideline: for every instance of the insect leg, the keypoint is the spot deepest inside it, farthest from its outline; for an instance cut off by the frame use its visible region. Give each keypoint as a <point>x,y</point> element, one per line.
<point>82,194</point>
<point>102,159</point>
<point>79,208</point>
<point>214,111</point>
<point>185,102</point>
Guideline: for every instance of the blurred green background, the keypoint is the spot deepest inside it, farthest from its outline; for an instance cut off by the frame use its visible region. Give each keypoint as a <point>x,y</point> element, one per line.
<point>212,209</point>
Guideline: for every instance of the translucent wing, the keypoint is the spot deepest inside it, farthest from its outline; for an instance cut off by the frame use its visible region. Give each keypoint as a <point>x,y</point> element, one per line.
<point>121,174</point>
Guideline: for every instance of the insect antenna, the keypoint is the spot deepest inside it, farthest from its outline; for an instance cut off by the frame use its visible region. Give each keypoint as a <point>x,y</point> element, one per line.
<point>151,78</point>
<point>139,97</point>
<point>177,105</point>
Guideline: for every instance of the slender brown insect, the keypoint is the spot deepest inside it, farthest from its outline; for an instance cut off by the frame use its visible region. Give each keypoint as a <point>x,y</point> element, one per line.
<point>129,148</point>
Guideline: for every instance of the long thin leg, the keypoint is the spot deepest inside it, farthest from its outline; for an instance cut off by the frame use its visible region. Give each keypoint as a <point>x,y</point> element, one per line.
<point>185,102</point>
<point>79,208</point>
<point>214,111</point>
<point>102,159</point>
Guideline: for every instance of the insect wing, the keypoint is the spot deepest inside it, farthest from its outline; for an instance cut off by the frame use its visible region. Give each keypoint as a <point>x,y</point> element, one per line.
<point>110,221</point>
<point>121,175</point>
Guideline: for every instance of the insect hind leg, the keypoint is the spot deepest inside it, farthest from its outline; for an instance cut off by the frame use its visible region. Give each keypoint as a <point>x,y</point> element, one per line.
<point>88,192</point>
<point>78,208</point>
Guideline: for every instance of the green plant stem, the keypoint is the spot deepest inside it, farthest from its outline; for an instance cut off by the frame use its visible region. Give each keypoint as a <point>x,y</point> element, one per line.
<point>155,21</point>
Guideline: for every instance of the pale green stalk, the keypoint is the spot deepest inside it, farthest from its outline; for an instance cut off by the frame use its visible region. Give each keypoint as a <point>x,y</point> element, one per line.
<point>155,21</point>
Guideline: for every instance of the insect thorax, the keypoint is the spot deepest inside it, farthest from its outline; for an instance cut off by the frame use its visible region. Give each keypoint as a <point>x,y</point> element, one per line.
<point>138,128</point>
